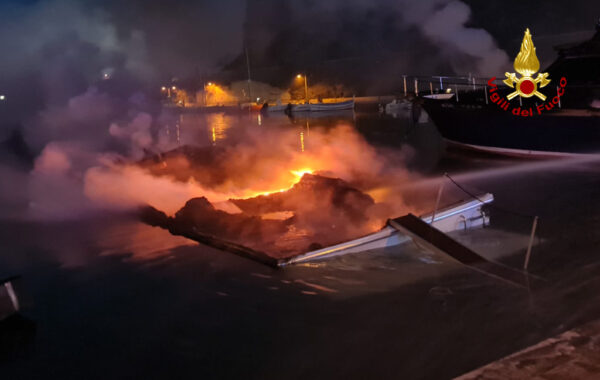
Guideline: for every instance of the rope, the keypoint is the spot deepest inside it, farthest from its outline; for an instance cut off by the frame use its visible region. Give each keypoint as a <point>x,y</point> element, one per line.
<point>492,206</point>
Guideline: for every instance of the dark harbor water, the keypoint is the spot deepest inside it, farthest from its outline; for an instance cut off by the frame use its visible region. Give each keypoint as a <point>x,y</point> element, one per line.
<point>110,297</point>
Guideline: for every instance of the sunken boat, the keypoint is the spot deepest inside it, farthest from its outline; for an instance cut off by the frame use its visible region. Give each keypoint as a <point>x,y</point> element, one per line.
<point>563,120</point>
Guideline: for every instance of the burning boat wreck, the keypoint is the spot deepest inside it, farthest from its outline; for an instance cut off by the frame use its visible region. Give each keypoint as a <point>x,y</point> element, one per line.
<point>317,218</point>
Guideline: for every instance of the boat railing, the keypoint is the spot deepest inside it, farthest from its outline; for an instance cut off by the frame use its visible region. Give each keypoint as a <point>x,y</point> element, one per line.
<point>435,84</point>
<point>431,85</point>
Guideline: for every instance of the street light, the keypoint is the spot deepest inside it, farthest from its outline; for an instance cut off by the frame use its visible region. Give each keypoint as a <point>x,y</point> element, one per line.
<point>168,90</point>
<point>206,85</point>
<point>2,97</point>
<point>299,76</point>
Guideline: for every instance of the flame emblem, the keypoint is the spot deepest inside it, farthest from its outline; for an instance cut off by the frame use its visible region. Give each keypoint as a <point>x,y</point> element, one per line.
<point>526,64</point>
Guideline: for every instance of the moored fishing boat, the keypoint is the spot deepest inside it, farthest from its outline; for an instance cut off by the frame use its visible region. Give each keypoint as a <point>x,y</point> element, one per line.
<point>336,106</point>
<point>312,107</point>
<point>563,120</point>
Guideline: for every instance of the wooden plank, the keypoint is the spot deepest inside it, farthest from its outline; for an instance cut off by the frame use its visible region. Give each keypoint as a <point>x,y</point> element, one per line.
<point>225,245</point>
<point>437,241</point>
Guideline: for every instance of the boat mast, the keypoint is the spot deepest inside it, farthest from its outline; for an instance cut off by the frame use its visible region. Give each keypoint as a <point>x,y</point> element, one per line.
<point>248,66</point>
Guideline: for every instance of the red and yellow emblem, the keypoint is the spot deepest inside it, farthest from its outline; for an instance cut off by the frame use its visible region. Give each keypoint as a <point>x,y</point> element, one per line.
<point>526,64</point>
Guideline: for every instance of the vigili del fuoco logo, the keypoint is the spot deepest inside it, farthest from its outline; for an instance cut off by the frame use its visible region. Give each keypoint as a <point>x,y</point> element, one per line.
<point>526,64</point>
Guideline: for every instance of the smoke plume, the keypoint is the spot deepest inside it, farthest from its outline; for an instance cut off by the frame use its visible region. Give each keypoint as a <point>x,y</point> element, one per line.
<point>79,79</point>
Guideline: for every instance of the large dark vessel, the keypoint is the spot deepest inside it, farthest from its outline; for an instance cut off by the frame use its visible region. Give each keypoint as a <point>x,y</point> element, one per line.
<point>570,126</point>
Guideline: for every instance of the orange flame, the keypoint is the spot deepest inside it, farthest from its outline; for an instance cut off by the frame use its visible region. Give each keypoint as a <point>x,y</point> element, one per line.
<point>527,62</point>
<point>300,173</point>
<point>297,177</point>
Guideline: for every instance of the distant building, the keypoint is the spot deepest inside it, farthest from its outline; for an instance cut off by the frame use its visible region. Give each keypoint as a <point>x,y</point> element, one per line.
<point>215,94</point>
<point>260,92</point>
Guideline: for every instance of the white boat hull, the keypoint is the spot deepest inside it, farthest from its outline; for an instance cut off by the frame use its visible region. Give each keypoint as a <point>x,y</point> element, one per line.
<point>314,107</point>
<point>463,215</point>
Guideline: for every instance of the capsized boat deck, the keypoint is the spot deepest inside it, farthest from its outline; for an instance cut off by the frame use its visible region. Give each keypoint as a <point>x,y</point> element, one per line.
<point>461,215</point>
<point>428,230</point>
<point>437,241</point>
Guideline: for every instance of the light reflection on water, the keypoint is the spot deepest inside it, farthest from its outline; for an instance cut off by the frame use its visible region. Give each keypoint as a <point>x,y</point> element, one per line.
<point>206,129</point>
<point>202,129</point>
<point>218,124</point>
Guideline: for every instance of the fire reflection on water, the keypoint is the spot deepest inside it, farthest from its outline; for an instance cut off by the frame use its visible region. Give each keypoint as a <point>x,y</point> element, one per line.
<point>198,129</point>
<point>218,124</point>
<point>139,240</point>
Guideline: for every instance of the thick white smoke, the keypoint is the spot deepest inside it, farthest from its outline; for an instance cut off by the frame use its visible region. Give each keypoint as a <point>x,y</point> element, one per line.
<point>138,133</point>
<point>30,30</point>
<point>442,22</point>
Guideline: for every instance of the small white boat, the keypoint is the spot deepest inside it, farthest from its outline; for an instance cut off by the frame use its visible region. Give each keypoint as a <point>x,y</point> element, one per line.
<point>445,96</point>
<point>313,107</point>
<point>397,107</point>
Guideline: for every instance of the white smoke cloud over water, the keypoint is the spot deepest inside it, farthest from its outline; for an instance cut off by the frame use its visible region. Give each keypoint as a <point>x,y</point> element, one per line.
<point>137,133</point>
<point>113,187</point>
<point>442,22</point>
<point>446,27</point>
<point>55,55</point>
<point>78,124</point>
<point>82,118</point>
<point>54,185</point>
<point>69,172</point>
